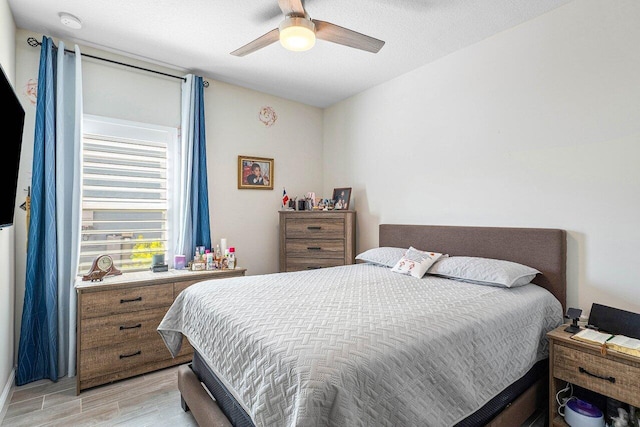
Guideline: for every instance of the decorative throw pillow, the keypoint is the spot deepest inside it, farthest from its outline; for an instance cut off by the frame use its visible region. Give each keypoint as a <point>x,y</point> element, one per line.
<point>484,271</point>
<point>415,262</point>
<point>385,256</point>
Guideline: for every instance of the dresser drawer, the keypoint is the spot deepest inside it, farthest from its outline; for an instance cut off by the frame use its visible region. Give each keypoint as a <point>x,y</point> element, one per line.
<point>575,366</point>
<point>109,330</point>
<point>314,228</point>
<point>116,301</point>
<point>98,361</point>
<point>316,248</point>
<point>298,264</point>
<point>181,286</point>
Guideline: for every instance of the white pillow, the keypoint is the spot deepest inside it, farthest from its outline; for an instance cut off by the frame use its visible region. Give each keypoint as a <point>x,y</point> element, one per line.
<point>484,271</point>
<point>385,256</point>
<point>415,263</point>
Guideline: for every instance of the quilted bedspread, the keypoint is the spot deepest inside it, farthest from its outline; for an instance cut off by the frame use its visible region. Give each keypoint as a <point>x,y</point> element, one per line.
<point>360,345</point>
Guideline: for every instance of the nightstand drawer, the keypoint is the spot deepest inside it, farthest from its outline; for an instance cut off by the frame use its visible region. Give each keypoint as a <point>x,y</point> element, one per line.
<point>316,248</point>
<point>584,369</point>
<point>315,228</point>
<point>116,301</point>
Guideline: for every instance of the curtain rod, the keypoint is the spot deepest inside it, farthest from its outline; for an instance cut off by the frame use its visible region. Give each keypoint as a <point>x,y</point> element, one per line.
<point>34,43</point>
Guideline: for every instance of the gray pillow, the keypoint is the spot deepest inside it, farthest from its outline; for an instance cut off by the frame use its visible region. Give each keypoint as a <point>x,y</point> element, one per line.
<point>385,256</point>
<point>483,271</point>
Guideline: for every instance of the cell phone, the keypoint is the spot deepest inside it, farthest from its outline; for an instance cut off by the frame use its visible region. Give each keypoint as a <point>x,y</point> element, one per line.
<point>573,313</point>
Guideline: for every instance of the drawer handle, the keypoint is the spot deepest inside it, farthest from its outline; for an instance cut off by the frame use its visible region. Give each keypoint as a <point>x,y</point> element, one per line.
<point>314,248</point>
<point>584,371</point>
<point>137,353</point>
<point>313,267</point>
<point>122,301</point>
<point>314,227</point>
<point>139,325</point>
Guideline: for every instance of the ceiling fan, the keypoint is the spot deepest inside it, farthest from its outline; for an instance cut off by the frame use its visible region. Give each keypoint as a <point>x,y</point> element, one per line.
<point>298,32</point>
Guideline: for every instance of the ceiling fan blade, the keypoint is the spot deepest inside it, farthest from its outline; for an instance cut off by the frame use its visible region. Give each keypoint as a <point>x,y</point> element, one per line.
<point>336,34</point>
<point>292,7</point>
<point>262,41</point>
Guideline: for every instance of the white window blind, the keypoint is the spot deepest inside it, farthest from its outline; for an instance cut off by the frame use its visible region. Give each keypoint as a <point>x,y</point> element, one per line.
<point>125,192</point>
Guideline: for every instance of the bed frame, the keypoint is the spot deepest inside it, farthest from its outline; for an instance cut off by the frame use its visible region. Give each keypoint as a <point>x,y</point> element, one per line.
<point>541,248</point>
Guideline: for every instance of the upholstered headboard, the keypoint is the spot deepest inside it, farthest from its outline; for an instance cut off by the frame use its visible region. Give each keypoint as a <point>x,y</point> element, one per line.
<point>544,249</point>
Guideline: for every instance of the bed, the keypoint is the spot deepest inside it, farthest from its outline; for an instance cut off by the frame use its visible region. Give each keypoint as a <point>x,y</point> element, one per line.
<point>360,345</point>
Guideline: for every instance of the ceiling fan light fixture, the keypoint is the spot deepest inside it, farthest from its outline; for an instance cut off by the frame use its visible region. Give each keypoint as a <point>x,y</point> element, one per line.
<point>297,34</point>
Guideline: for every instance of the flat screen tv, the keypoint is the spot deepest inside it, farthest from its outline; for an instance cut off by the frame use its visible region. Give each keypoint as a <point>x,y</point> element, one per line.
<point>11,138</point>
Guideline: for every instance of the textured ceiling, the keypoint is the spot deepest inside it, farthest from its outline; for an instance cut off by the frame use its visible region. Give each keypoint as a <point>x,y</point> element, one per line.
<point>197,36</point>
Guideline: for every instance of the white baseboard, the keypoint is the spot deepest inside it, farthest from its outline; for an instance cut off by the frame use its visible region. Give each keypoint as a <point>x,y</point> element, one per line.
<point>5,397</point>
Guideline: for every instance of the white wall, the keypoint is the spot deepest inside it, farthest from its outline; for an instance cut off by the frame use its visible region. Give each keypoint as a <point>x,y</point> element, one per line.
<point>7,235</point>
<point>538,126</point>
<point>248,219</point>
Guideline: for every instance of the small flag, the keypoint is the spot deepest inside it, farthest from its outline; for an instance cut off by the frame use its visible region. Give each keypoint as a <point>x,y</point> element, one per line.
<point>285,198</point>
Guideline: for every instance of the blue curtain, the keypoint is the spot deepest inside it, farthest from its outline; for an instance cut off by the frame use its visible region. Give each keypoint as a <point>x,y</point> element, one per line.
<point>192,195</point>
<point>38,347</point>
<point>199,188</point>
<point>47,337</point>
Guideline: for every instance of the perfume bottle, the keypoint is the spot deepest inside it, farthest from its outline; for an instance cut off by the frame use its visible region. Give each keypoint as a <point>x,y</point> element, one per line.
<point>218,257</point>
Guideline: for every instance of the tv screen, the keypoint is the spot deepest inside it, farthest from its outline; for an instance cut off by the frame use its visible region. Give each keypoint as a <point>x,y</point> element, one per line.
<point>13,124</point>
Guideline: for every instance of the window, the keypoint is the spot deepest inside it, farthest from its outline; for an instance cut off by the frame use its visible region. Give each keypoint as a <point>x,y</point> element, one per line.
<point>125,192</point>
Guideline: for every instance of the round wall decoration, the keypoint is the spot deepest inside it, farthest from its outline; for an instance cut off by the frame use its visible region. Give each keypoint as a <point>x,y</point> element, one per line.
<point>31,91</point>
<point>267,116</point>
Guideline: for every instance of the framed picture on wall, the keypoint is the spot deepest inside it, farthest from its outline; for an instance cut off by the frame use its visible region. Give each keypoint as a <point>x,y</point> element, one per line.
<point>255,173</point>
<point>341,198</point>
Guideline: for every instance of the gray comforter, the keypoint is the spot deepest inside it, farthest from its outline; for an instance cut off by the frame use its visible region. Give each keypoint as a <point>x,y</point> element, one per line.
<point>360,345</point>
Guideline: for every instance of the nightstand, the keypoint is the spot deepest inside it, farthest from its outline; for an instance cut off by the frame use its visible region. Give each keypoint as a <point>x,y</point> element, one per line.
<point>615,375</point>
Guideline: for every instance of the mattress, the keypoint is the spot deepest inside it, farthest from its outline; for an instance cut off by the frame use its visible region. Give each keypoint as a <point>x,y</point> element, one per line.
<point>361,345</point>
<point>239,418</point>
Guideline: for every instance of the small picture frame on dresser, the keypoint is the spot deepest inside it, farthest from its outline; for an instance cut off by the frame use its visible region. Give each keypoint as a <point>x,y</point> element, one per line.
<point>341,197</point>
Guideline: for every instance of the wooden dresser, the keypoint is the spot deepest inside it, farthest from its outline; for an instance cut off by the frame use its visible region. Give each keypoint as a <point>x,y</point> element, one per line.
<point>316,239</point>
<point>615,374</point>
<point>117,322</point>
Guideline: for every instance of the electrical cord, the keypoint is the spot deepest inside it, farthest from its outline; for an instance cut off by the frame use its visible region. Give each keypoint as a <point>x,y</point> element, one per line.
<point>565,400</point>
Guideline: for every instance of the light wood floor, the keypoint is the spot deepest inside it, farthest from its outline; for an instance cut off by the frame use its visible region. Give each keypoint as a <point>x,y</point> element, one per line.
<point>148,400</point>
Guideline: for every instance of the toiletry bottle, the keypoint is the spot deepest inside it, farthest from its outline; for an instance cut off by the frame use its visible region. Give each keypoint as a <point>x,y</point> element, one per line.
<point>232,258</point>
<point>218,257</point>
